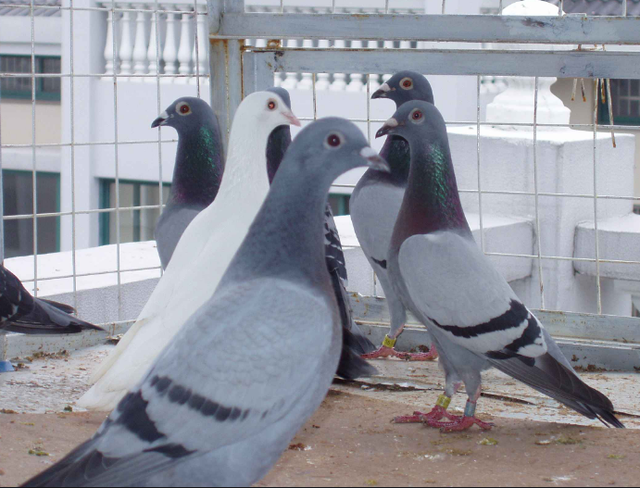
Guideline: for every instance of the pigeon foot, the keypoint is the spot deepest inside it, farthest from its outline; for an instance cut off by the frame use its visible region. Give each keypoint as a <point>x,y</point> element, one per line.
<point>459,425</point>
<point>387,350</point>
<point>438,413</point>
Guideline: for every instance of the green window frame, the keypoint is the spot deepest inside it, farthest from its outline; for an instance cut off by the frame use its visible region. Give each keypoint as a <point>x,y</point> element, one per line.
<point>339,203</point>
<point>106,203</point>
<point>47,89</point>
<point>625,96</point>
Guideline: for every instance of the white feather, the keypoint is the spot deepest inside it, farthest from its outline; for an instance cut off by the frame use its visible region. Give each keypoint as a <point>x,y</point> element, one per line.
<point>201,257</point>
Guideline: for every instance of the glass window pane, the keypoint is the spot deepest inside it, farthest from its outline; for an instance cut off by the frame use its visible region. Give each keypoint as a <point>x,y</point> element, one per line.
<point>18,200</point>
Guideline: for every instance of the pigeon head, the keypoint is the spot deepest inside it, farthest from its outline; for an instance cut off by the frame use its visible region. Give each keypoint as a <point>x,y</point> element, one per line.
<point>282,93</point>
<point>404,87</point>
<point>268,109</point>
<point>185,115</point>
<point>416,121</point>
<point>329,147</point>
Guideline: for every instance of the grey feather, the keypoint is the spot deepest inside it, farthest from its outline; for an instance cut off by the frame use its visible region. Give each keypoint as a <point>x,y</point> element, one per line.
<point>377,198</point>
<point>252,364</point>
<point>197,173</point>
<point>441,275</point>
<point>355,342</point>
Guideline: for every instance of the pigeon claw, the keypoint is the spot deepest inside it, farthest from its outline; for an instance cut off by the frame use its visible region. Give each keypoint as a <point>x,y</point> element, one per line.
<point>387,352</point>
<point>437,414</point>
<point>459,425</point>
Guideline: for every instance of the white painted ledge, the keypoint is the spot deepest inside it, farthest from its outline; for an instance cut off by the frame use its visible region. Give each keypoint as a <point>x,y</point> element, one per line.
<point>99,298</point>
<point>510,235</point>
<point>619,239</point>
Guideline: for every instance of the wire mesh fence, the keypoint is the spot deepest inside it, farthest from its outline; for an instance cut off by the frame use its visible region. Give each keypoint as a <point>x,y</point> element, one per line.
<point>122,63</point>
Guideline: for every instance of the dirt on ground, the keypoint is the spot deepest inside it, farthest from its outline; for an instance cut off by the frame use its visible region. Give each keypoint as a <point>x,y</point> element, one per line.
<point>351,442</point>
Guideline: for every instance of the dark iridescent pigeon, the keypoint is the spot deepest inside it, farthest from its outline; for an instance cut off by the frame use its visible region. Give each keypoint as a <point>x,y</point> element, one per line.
<point>354,340</point>
<point>21,312</point>
<point>473,315</point>
<point>197,173</point>
<point>375,204</point>
<point>221,404</point>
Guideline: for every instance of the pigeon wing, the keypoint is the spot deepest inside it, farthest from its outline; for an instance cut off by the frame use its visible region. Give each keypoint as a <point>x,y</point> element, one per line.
<point>230,382</point>
<point>452,283</point>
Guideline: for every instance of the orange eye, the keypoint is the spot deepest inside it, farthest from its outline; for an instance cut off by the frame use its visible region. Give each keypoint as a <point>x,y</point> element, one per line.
<point>184,109</point>
<point>272,105</point>
<point>406,83</point>
<point>417,115</point>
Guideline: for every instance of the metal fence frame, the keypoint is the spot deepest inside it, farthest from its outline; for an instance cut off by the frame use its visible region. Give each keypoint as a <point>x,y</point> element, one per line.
<point>238,70</point>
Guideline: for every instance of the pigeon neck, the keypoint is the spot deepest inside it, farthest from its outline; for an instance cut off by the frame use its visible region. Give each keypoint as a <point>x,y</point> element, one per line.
<point>432,201</point>
<point>279,142</point>
<point>396,152</point>
<point>245,172</point>
<point>286,238</point>
<point>199,167</point>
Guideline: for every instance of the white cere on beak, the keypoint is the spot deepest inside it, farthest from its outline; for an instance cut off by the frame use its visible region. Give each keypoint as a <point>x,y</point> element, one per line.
<point>164,115</point>
<point>391,122</point>
<point>368,153</point>
<point>385,87</point>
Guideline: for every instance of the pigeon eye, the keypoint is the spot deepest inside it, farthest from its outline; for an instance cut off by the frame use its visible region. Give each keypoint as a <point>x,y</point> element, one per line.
<point>417,116</point>
<point>184,109</point>
<point>406,83</point>
<point>333,141</point>
<point>272,105</point>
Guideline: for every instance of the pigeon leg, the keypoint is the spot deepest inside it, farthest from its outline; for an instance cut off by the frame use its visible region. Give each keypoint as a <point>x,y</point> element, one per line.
<point>461,424</point>
<point>387,349</point>
<point>438,413</point>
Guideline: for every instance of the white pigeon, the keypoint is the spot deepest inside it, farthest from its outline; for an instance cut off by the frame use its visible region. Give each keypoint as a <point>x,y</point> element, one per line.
<point>202,255</point>
<point>218,408</point>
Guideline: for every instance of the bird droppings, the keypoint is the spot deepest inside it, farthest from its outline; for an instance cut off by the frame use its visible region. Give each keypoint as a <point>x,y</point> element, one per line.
<point>488,441</point>
<point>297,447</point>
<point>38,452</point>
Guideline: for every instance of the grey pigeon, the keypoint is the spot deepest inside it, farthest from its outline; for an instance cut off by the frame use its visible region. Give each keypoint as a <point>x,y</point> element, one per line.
<point>375,204</point>
<point>197,173</point>
<point>473,315</point>
<point>222,403</point>
<point>354,341</point>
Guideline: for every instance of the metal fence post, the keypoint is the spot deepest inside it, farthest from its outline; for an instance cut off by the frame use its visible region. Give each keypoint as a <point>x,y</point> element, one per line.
<point>3,340</point>
<point>1,192</point>
<point>225,60</point>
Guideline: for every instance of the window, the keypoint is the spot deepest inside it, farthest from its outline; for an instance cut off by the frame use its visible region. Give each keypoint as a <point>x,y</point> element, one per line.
<point>18,200</point>
<point>20,88</point>
<point>625,97</point>
<point>135,225</point>
<point>339,203</point>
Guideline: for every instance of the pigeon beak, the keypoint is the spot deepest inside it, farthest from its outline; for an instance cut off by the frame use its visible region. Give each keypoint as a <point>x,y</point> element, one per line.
<point>162,120</point>
<point>387,128</point>
<point>382,92</point>
<point>293,120</point>
<point>374,161</point>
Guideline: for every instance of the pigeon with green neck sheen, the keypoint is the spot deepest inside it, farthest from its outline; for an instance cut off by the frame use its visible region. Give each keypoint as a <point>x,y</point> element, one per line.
<point>250,367</point>
<point>354,341</point>
<point>375,204</point>
<point>446,281</point>
<point>202,255</point>
<point>197,173</point>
